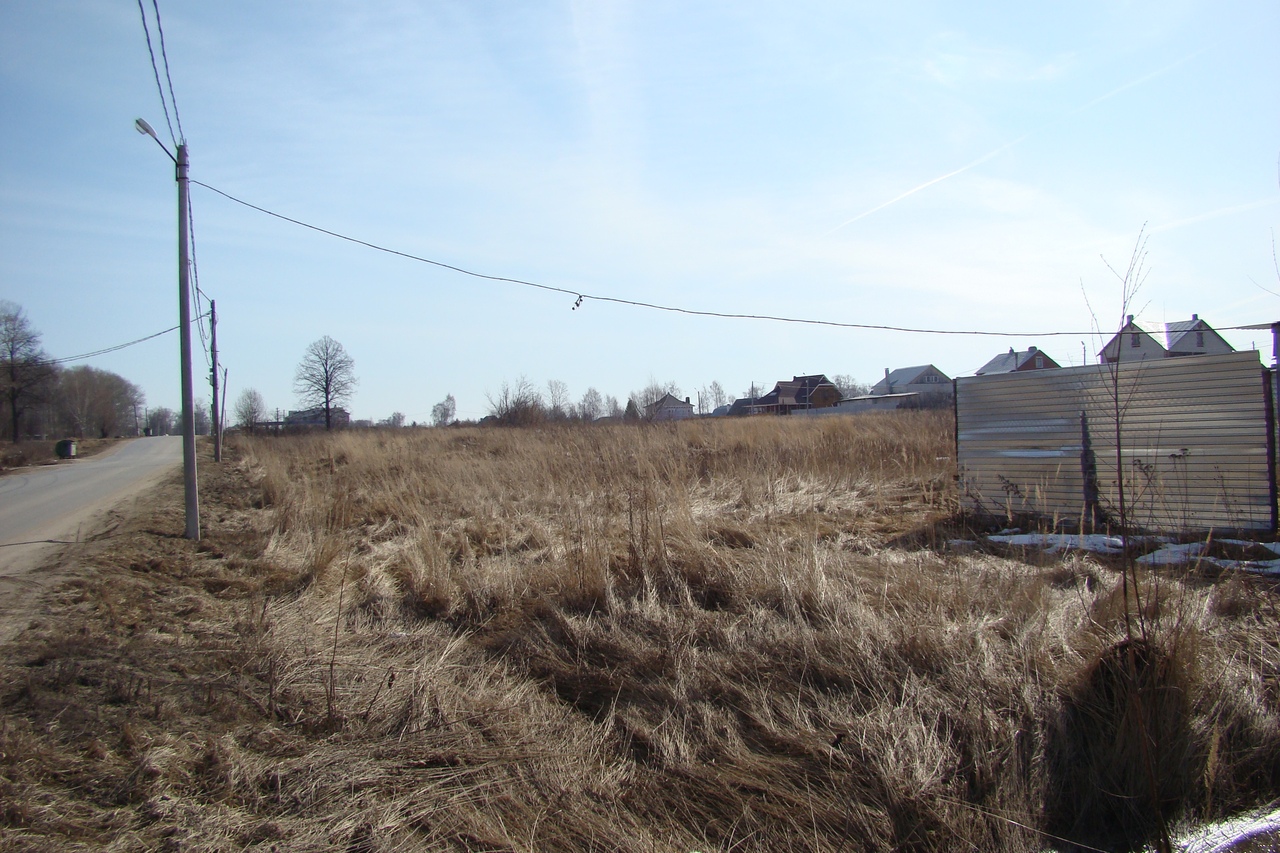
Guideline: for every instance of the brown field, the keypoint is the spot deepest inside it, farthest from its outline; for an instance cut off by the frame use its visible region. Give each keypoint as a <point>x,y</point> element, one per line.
<point>745,635</point>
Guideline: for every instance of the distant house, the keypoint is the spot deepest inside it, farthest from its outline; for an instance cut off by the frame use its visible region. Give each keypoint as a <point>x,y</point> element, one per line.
<point>743,406</point>
<point>921,379</point>
<point>1185,337</point>
<point>1193,337</point>
<point>315,417</point>
<point>1018,362</point>
<point>1132,343</point>
<point>801,392</point>
<point>668,408</point>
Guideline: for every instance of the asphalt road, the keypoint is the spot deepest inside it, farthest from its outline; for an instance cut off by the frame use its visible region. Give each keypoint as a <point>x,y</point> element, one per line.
<point>43,508</point>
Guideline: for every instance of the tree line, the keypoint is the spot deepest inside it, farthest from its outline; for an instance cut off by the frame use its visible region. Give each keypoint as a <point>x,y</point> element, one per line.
<point>44,399</point>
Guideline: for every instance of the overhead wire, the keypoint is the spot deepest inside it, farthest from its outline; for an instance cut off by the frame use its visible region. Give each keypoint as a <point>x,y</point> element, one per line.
<point>146,30</point>
<point>110,349</point>
<point>155,4</point>
<point>180,136</point>
<point>195,278</point>
<point>580,297</point>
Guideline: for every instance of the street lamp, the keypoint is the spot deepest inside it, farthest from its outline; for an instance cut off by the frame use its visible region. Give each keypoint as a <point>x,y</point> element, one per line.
<point>184,331</point>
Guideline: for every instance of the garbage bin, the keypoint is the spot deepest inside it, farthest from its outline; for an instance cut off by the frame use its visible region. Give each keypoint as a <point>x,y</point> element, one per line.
<point>66,449</point>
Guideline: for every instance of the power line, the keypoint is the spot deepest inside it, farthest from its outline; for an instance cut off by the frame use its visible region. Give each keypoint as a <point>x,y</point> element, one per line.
<point>106,350</point>
<point>195,275</point>
<point>155,69</point>
<point>155,4</point>
<point>581,297</point>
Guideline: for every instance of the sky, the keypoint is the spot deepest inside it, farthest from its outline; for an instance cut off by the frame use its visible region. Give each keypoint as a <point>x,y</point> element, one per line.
<point>976,167</point>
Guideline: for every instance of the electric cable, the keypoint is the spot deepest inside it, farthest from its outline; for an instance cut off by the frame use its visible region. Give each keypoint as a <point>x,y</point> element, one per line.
<point>155,4</point>
<point>163,103</point>
<point>195,276</point>
<point>581,297</point>
<point>110,349</point>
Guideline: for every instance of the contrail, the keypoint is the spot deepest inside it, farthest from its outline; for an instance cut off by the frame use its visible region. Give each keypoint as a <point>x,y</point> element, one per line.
<point>1141,80</point>
<point>1213,214</point>
<point>985,157</point>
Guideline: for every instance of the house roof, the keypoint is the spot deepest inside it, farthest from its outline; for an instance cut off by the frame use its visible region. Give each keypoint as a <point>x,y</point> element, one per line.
<point>667,401</point>
<point>796,392</point>
<point>905,376</point>
<point>908,375</point>
<point>1176,331</point>
<point>1008,362</point>
<point>1114,347</point>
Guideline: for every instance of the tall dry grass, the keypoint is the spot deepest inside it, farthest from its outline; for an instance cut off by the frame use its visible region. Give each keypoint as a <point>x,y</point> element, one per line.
<point>729,635</point>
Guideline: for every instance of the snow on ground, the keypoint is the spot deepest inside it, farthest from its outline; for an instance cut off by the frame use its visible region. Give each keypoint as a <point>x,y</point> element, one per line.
<point>1260,828</point>
<point>1167,554</point>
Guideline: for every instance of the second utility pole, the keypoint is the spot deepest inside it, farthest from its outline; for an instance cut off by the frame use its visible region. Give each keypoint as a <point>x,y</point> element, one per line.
<point>213,348</point>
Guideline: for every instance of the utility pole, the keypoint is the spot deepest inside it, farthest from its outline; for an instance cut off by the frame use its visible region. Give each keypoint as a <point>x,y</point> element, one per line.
<point>222,418</point>
<point>192,498</point>
<point>213,349</point>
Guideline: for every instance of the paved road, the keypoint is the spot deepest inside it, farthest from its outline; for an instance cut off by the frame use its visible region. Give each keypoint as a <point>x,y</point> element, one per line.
<point>42,507</point>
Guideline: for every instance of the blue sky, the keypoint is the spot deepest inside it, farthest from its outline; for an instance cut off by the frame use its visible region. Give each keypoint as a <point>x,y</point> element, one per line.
<point>910,164</point>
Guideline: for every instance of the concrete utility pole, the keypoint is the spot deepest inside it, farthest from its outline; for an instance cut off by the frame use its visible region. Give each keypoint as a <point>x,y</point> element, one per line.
<point>188,391</point>
<point>184,338</point>
<point>213,349</point>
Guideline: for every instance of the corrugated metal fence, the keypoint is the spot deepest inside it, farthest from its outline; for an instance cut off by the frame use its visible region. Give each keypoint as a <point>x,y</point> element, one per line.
<point>1193,434</point>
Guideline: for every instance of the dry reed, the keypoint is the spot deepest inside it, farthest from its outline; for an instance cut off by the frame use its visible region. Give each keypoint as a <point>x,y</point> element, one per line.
<point>693,637</point>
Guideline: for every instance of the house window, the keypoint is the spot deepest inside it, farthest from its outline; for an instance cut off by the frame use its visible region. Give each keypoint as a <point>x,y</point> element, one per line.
<point>1134,341</point>
<point>1039,362</point>
<point>1199,340</point>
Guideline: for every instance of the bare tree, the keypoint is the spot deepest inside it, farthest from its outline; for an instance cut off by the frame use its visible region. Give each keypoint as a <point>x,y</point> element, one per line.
<point>325,378</point>
<point>518,405</point>
<point>160,421</point>
<point>250,409</point>
<point>25,374</point>
<point>558,403</point>
<point>850,387</point>
<point>442,413</point>
<point>716,396</point>
<point>592,405</point>
<point>98,402</point>
<point>612,407</point>
<point>201,417</point>
<point>396,421</point>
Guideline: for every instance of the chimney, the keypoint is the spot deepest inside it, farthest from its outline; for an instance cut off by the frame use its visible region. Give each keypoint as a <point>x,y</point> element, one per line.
<point>1031,350</point>
<point>686,399</point>
<point>888,386</point>
<point>1194,318</point>
<point>1130,320</point>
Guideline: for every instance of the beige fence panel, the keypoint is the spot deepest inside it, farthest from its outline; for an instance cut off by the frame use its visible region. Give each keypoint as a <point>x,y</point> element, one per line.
<point>1192,433</point>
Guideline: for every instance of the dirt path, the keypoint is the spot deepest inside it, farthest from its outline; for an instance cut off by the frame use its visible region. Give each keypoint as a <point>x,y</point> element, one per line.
<point>45,511</point>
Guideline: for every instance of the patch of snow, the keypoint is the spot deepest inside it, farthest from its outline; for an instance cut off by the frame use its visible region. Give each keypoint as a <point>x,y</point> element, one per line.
<point>1226,836</point>
<point>1096,543</point>
<point>1173,555</point>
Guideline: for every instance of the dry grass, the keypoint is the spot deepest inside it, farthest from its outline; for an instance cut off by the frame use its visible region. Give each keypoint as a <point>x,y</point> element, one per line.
<point>732,635</point>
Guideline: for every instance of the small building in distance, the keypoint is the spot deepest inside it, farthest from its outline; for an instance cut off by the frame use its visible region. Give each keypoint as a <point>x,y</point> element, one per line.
<point>1182,338</point>
<point>1193,337</point>
<point>921,379</point>
<point>801,392</point>
<point>315,418</point>
<point>1018,362</point>
<point>1132,343</point>
<point>668,408</point>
